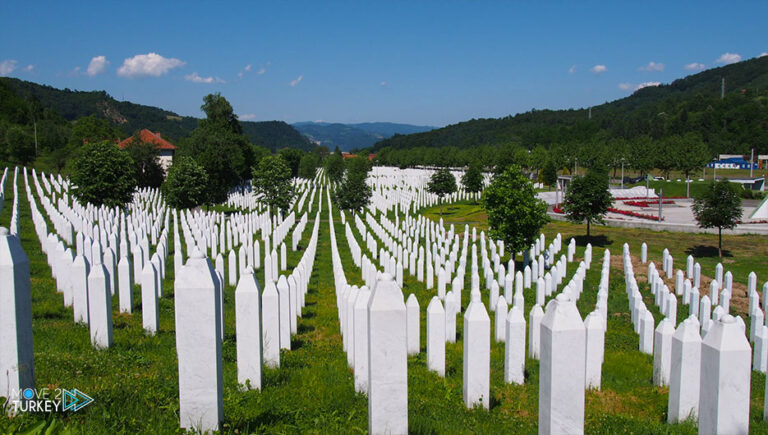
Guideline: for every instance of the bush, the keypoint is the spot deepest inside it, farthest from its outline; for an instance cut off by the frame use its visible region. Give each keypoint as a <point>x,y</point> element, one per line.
<point>185,185</point>
<point>103,174</point>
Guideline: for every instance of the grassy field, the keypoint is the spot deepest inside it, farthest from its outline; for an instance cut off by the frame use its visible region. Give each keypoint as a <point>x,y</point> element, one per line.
<point>135,383</point>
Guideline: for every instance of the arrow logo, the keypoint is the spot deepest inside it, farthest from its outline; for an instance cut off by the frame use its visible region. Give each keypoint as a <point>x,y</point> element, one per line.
<point>74,400</point>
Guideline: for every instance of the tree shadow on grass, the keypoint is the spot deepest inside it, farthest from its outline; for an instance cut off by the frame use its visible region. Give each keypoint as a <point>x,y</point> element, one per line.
<point>596,240</point>
<point>706,251</point>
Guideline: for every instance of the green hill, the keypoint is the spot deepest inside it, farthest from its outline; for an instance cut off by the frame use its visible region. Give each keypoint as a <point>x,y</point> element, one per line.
<point>350,137</point>
<point>130,117</point>
<point>692,104</point>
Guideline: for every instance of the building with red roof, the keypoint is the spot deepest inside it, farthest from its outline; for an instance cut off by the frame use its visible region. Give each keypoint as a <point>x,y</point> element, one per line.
<point>165,149</point>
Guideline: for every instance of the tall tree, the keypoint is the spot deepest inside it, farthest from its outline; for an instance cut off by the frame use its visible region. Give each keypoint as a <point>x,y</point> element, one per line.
<point>588,198</point>
<point>334,167</point>
<point>186,183</point>
<point>272,179</point>
<point>92,129</point>
<point>719,206</point>
<point>353,193</point>
<point>442,183</point>
<point>308,166</point>
<point>472,180</point>
<point>549,173</point>
<point>515,214</point>
<point>103,174</point>
<point>218,145</point>
<point>149,173</point>
<point>292,157</point>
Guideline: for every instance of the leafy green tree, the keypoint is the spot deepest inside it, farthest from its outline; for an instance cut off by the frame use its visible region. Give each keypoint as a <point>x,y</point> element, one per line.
<point>442,183</point>
<point>719,206</point>
<point>185,186</point>
<point>515,214</point>
<point>21,145</point>
<point>103,174</point>
<point>92,129</point>
<point>218,145</point>
<point>358,164</point>
<point>472,180</point>
<point>334,167</point>
<point>538,158</point>
<point>691,154</point>
<point>272,179</point>
<point>549,173</point>
<point>292,158</point>
<point>149,173</point>
<point>353,193</point>
<point>259,152</point>
<point>588,198</point>
<point>308,166</point>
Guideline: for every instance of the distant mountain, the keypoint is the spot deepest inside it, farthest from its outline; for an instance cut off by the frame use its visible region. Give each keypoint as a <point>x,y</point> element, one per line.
<point>354,136</point>
<point>130,117</point>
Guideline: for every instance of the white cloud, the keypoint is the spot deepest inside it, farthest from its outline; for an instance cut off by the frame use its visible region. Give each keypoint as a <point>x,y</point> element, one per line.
<point>248,117</point>
<point>97,66</point>
<point>598,69</point>
<point>383,83</point>
<point>151,64</point>
<point>694,66</point>
<point>7,66</point>
<point>261,70</point>
<point>297,81</point>
<point>625,86</point>
<point>247,67</point>
<point>763,54</point>
<point>572,69</point>
<point>728,58</point>
<point>647,85</point>
<point>652,66</point>
<point>29,68</point>
<point>196,78</point>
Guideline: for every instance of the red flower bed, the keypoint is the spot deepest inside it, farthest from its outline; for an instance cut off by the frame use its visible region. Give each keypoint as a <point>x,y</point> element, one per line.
<point>645,198</point>
<point>759,221</point>
<point>634,214</point>
<point>647,203</point>
<point>557,209</point>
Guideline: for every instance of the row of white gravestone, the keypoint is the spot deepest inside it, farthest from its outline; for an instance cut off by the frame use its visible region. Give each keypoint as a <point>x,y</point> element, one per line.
<point>264,324</point>
<point>708,379</point>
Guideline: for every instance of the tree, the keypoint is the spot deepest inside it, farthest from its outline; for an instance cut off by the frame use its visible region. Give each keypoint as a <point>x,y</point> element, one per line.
<point>149,173</point>
<point>308,166</point>
<point>353,193</point>
<point>472,180</point>
<point>588,198</point>
<point>90,129</point>
<point>272,179</point>
<point>358,164</point>
<point>21,145</point>
<point>218,145</point>
<point>515,214</point>
<point>442,183</point>
<point>334,167</point>
<point>292,158</point>
<point>549,173</point>
<point>719,206</point>
<point>186,183</point>
<point>691,155</point>
<point>103,174</point>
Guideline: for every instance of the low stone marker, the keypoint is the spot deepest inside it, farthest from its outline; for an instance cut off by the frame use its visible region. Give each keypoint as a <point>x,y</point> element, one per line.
<point>413,324</point>
<point>198,345</point>
<point>477,353</point>
<point>562,369</point>
<point>725,379</point>
<point>248,329</point>
<point>388,359</point>
<point>436,336</point>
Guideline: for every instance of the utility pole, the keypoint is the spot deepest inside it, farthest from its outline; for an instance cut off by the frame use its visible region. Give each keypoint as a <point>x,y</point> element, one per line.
<point>590,113</point>
<point>622,173</point>
<point>661,200</point>
<point>751,165</point>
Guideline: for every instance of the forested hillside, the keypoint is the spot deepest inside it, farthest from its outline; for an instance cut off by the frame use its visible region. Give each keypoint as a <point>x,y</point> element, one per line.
<point>628,128</point>
<point>349,137</point>
<point>28,109</point>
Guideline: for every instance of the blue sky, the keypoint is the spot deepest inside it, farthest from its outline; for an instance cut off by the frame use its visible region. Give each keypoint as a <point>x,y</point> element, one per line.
<point>419,62</point>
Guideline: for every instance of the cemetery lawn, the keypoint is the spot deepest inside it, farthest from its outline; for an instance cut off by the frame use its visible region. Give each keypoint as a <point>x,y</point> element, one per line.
<point>135,383</point>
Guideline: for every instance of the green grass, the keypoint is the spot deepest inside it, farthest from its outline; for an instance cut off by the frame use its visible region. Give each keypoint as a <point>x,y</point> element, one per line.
<point>134,383</point>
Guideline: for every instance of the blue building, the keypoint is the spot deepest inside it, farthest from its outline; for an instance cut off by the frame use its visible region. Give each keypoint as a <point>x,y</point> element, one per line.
<point>731,163</point>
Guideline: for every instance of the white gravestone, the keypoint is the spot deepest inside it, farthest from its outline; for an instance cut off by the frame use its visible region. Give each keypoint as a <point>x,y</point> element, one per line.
<point>248,329</point>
